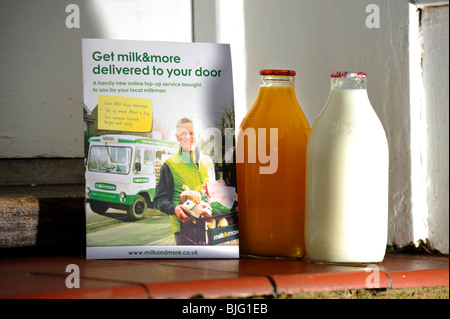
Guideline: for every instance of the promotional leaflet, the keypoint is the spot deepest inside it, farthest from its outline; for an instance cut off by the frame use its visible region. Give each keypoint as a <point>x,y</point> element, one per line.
<point>159,150</point>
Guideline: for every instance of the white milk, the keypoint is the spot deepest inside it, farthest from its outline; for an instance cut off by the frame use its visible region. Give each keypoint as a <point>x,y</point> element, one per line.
<point>347,179</point>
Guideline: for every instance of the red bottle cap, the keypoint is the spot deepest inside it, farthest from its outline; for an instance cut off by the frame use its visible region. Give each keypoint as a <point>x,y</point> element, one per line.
<point>277,72</point>
<point>349,75</point>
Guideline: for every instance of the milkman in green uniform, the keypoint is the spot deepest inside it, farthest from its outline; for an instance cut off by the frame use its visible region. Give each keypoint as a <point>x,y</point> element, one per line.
<point>187,169</point>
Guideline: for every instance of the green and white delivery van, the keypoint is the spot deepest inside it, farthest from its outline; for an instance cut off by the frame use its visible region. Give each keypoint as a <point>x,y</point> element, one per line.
<point>122,172</point>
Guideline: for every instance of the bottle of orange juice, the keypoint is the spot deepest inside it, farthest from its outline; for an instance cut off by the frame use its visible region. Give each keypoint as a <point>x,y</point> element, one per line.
<point>271,166</point>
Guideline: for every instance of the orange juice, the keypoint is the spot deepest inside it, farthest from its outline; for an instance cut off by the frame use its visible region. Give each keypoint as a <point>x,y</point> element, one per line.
<point>272,204</point>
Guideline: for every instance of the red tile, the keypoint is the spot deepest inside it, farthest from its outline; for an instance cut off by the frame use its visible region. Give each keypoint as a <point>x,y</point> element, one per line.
<point>329,281</point>
<point>122,292</point>
<point>38,286</point>
<point>256,266</point>
<point>43,265</point>
<point>156,271</point>
<point>396,262</point>
<point>419,278</point>
<point>44,277</point>
<point>219,288</point>
<point>282,267</point>
<point>17,283</point>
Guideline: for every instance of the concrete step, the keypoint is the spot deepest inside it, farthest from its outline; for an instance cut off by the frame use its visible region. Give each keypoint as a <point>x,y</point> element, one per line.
<point>50,216</point>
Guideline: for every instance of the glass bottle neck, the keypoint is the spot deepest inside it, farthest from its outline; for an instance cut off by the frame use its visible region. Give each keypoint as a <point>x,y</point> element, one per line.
<point>348,83</point>
<point>276,80</point>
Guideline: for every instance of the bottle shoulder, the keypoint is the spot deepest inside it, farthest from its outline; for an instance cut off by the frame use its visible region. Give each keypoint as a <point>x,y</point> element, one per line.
<point>348,113</point>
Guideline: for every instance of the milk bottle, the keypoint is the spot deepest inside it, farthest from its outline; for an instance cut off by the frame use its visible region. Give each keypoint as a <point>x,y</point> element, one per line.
<point>347,167</point>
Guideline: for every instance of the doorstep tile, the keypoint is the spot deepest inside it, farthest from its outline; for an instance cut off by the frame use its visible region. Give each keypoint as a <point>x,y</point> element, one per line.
<point>132,271</point>
<point>329,281</point>
<point>405,271</point>
<point>44,277</point>
<point>153,271</point>
<point>259,266</point>
<point>396,262</point>
<point>53,265</point>
<point>38,286</point>
<point>419,278</point>
<point>217,288</point>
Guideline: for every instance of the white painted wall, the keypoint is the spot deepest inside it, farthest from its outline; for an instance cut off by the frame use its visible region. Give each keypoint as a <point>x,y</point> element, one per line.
<point>434,36</point>
<point>40,65</point>
<point>317,46</point>
<point>40,73</point>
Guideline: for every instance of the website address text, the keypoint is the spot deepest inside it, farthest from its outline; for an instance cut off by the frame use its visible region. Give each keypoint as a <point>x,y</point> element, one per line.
<point>166,252</point>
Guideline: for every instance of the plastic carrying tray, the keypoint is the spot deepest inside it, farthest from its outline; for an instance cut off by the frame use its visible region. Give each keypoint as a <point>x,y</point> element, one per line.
<point>201,231</point>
